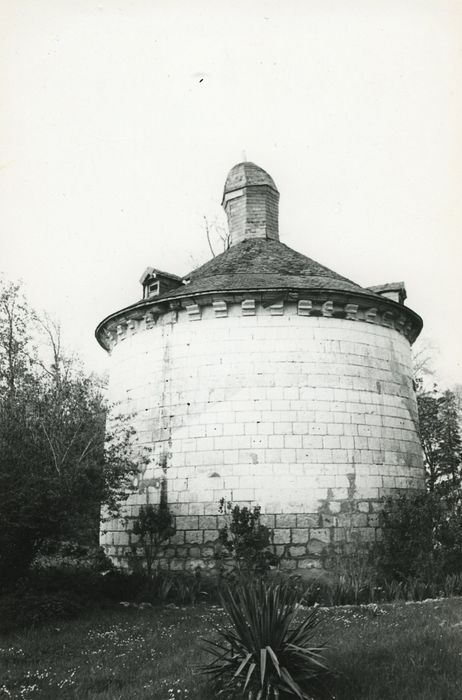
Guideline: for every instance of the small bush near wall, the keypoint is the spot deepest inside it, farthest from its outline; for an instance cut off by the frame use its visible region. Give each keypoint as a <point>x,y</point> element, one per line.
<point>153,526</point>
<point>422,537</point>
<point>245,540</point>
<point>49,594</point>
<point>71,554</point>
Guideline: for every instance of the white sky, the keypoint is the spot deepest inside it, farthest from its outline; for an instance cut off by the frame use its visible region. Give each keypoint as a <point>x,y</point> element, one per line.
<point>113,148</point>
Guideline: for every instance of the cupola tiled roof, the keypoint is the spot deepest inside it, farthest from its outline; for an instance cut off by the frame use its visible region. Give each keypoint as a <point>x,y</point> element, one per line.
<point>247,174</point>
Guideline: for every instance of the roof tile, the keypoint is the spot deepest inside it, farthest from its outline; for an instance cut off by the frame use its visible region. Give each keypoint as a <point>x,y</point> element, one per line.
<point>260,263</point>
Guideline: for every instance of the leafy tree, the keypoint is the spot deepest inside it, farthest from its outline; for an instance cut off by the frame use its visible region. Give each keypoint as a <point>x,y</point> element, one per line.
<point>441,441</point>
<point>15,338</point>
<point>450,449</point>
<point>58,465</point>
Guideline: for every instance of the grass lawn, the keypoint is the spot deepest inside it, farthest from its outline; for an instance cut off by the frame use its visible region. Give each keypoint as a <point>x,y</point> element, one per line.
<point>391,652</point>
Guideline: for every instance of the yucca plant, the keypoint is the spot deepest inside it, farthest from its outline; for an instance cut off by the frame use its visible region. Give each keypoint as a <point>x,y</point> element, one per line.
<point>266,652</point>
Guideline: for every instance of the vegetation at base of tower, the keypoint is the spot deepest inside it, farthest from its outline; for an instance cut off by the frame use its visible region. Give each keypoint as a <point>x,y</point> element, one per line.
<point>58,465</point>
<point>422,532</point>
<point>245,539</point>
<point>422,538</point>
<point>268,646</point>
<point>153,526</point>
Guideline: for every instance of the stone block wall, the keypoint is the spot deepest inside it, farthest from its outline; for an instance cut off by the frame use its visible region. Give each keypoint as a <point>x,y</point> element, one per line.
<point>312,418</point>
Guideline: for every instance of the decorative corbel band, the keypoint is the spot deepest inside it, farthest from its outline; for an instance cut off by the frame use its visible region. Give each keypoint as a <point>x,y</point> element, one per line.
<point>387,319</point>
<point>351,311</point>
<point>126,326</point>
<point>194,312</point>
<point>277,309</point>
<point>132,325</point>
<point>111,337</point>
<point>220,308</point>
<point>248,307</point>
<point>304,307</point>
<point>149,320</point>
<point>121,330</point>
<point>371,316</point>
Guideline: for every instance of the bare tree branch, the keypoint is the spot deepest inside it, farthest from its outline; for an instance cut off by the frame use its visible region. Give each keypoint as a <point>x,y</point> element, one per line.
<point>207,231</point>
<point>55,458</point>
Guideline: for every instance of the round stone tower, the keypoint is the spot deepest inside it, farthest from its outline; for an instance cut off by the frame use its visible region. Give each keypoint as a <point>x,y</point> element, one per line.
<point>265,378</point>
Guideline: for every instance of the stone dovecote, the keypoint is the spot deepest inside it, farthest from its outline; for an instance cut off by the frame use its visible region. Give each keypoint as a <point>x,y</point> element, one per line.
<point>265,378</point>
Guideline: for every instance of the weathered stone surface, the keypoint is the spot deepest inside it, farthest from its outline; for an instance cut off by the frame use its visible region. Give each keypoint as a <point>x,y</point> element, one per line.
<point>286,521</point>
<point>309,563</point>
<point>281,536</point>
<point>268,520</point>
<point>299,536</point>
<point>307,520</point>
<point>315,547</point>
<point>193,536</point>
<point>177,538</point>
<point>359,520</point>
<point>328,521</point>
<point>321,534</point>
<point>207,522</point>
<point>184,522</point>
<point>288,564</point>
<point>177,565</point>
<point>364,506</point>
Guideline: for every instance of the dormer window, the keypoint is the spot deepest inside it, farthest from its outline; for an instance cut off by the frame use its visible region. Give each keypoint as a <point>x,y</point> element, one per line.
<point>152,289</point>
<point>155,282</point>
<point>396,291</point>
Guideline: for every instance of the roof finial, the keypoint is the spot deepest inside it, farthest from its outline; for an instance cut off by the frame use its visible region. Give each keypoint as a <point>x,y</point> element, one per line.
<point>244,157</point>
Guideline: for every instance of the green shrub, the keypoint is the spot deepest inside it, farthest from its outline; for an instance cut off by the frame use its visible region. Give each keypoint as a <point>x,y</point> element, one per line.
<point>266,650</point>
<point>48,594</point>
<point>72,554</point>
<point>45,595</point>
<point>452,585</point>
<point>28,606</point>
<point>245,539</point>
<point>422,538</point>
<point>352,579</point>
<point>153,526</point>
<point>182,587</point>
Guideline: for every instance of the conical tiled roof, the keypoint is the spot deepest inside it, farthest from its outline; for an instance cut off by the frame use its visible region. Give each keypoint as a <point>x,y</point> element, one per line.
<point>262,264</point>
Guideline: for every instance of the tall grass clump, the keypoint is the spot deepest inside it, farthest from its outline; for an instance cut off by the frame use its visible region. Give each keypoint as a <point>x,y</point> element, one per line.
<point>269,648</point>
